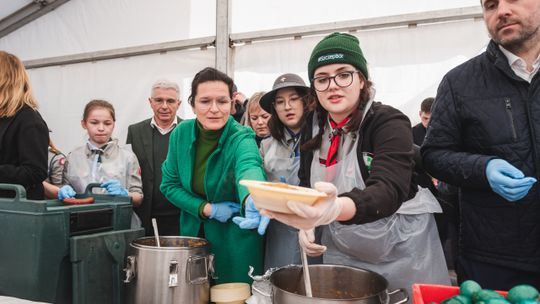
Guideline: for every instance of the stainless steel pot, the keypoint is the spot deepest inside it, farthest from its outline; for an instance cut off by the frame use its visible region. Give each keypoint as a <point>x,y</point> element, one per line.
<point>331,284</point>
<point>176,272</point>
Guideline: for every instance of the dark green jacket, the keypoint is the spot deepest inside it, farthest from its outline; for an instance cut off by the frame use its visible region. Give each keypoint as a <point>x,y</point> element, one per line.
<point>236,157</point>
<point>140,137</point>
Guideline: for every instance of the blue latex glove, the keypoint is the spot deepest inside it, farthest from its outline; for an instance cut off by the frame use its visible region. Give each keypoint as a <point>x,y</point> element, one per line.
<point>114,187</point>
<point>253,218</point>
<point>224,210</point>
<point>507,180</point>
<point>66,192</point>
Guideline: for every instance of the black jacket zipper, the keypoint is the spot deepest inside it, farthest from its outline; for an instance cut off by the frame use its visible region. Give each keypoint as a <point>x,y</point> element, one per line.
<point>509,112</point>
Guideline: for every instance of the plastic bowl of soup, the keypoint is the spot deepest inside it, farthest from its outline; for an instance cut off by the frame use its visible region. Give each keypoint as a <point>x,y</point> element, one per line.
<point>274,196</point>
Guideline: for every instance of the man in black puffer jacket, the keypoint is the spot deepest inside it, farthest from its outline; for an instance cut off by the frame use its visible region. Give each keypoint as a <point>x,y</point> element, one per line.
<point>484,136</point>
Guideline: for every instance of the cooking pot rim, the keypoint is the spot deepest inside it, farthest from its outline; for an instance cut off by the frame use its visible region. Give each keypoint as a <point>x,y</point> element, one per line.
<point>136,243</point>
<point>385,281</point>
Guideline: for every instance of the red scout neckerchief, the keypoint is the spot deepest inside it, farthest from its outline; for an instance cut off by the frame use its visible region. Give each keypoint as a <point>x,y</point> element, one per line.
<point>337,130</point>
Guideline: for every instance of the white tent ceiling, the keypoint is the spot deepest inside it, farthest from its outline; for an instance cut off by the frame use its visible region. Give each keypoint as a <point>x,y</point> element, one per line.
<point>9,7</point>
<point>406,62</point>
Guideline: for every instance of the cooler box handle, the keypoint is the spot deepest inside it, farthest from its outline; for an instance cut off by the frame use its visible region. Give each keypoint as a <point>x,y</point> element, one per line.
<point>20,192</point>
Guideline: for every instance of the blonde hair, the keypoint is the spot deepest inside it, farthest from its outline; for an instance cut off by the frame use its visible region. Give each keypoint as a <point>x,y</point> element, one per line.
<point>252,104</point>
<point>15,89</point>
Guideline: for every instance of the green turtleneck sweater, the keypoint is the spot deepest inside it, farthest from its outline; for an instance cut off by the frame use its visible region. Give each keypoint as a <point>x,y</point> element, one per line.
<point>206,143</point>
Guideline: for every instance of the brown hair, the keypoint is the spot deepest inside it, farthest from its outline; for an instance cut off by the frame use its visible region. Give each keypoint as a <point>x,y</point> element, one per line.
<point>277,127</point>
<point>98,103</point>
<point>352,126</point>
<point>426,104</point>
<point>15,89</point>
<point>206,75</point>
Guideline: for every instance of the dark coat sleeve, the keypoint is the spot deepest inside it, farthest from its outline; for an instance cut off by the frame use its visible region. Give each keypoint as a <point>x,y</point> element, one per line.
<point>389,182</point>
<point>30,137</point>
<point>443,152</point>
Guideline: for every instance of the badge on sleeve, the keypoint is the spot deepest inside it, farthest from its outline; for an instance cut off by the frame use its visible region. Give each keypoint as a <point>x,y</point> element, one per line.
<point>368,159</point>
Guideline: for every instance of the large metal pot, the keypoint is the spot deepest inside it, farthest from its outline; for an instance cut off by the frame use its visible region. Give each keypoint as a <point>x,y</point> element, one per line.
<point>331,284</point>
<point>176,272</point>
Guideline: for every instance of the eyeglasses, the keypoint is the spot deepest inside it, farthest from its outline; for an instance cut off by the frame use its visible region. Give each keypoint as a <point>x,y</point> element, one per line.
<point>279,103</point>
<point>342,80</point>
<point>168,101</point>
<point>206,104</point>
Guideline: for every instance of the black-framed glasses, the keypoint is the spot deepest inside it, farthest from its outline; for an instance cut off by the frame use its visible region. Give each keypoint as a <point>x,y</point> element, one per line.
<point>341,79</point>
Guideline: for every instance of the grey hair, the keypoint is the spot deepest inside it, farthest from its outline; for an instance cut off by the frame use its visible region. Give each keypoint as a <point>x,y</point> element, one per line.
<point>165,84</point>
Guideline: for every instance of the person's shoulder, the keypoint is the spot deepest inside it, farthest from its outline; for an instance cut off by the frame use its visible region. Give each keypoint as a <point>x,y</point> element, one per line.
<point>80,150</point>
<point>266,143</point>
<point>241,130</point>
<point>385,113</point>
<point>381,109</point>
<point>140,124</point>
<point>468,68</point>
<point>185,124</point>
<point>184,128</point>
<point>29,114</point>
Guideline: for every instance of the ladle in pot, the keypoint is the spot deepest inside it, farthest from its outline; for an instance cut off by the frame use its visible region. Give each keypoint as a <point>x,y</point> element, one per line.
<point>156,232</point>
<point>307,279</point>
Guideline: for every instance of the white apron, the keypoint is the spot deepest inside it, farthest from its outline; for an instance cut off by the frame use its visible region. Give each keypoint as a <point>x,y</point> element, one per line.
<point>281,247</point>
<point>404,247</point>
<point>84,168</point>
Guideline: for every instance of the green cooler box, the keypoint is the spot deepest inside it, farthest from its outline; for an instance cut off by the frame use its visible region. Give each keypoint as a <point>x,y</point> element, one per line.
<point>59,253</point>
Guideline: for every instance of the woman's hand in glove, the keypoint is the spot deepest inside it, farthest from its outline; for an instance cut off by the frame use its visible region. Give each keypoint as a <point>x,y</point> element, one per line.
<point>114,187</point>
<point>253,218</point>
<point>66,192</point>
<point>223,211</point>
<point>306,238</point>
<point>306,217</point>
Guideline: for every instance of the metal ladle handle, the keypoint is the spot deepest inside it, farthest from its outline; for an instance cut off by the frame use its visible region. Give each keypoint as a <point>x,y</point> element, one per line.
<point>156,232</point>
<point>307,279</point>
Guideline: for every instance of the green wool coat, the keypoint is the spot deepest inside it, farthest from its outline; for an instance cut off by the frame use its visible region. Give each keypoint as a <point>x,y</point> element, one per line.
<point>236,157</point>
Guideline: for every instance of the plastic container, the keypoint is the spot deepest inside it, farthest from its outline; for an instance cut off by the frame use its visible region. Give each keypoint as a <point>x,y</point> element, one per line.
<point>427,293</point>
<point>53,252</point>
<point>274,196</point>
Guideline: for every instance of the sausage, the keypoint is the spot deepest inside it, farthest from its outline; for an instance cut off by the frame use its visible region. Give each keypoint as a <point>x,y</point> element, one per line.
<point>78,201</point>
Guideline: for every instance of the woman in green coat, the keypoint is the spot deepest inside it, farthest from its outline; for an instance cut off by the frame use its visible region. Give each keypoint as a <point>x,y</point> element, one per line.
<point>207,158</point>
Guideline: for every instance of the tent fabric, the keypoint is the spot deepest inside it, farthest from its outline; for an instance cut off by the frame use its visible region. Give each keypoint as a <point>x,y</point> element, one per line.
<point>405,64</point>
<point>63,91</point>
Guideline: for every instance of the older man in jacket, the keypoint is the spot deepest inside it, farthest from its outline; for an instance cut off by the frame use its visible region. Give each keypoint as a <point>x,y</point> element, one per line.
<point>484,136</point>
<point>150,142</point>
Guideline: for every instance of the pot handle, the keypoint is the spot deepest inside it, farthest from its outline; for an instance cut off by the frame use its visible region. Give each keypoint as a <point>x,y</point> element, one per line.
<point>192,263</point>
<point>173,273</point>
<point>404,292</point>
<point>130,269</point>
<point>211,265</point>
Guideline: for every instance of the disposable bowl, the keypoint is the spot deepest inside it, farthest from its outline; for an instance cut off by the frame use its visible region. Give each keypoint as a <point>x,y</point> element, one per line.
<point>274,196</point>
<point>230,293</point>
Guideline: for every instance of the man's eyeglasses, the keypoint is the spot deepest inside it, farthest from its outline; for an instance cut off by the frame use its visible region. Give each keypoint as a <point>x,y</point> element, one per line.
<point>342,80</point>
<point>168,101</point>
<point>279,103</point>
<point>222,104</point>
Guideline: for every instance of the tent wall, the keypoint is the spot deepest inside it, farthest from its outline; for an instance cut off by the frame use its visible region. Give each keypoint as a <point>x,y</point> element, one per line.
<point>63,91</point>
<point>405,64</point>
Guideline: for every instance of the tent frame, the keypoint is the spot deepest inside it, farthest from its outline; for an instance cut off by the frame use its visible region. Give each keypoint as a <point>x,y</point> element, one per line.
<point>224,40</point>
